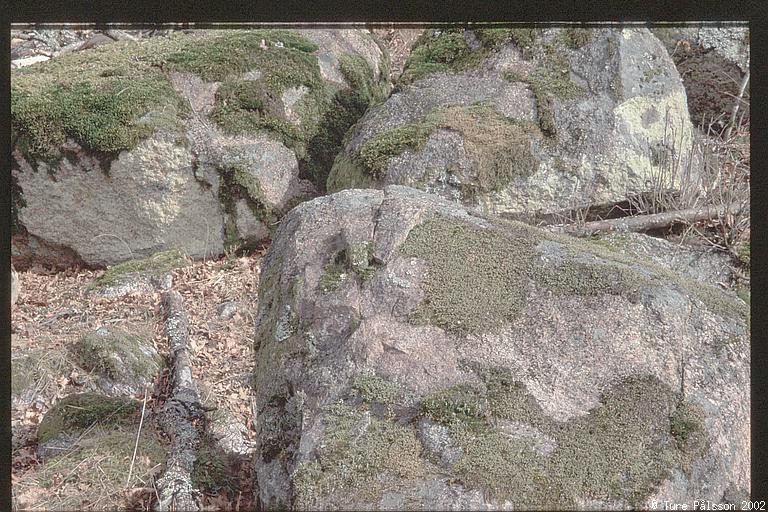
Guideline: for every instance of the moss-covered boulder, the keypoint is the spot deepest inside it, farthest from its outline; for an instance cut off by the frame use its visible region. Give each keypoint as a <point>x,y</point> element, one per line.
<point>192,142</point>
<point>414,355</point>
<point>124,362</point>
<point>526,120</point>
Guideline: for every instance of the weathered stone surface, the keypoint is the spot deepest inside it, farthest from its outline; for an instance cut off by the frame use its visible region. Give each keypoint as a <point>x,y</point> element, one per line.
<point>712,62</point>
<point>561,120</point>
<point>195,142</point>
<point>414,355</point>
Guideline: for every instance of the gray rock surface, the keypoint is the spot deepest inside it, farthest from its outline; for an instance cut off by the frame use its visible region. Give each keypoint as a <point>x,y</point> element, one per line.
<point>471,363</point>
<point>539,129</point>
<point>147,200</point>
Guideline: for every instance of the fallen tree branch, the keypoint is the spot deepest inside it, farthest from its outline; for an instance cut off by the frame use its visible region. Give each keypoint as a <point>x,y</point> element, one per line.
<point>654,221</point>
<point>180,415</point>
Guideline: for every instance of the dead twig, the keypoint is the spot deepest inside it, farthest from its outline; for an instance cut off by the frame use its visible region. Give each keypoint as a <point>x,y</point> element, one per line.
<point>653,221</point>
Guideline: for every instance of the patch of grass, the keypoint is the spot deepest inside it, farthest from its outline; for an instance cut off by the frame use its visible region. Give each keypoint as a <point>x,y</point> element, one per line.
<point>92,476</point>
<point>36,372</point>
<point>156,265</point>
<point>347,172</point>
<point>80,411</point>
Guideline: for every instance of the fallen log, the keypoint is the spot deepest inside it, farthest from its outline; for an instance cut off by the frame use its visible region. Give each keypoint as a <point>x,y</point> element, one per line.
<point>653,221</point>
<point>181,416</point>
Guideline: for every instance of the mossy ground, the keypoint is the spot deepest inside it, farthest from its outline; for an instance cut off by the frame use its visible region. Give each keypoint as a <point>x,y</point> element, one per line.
<point>119,355</point>
<point>109,98</point>
<point>499,148</point>
<point>78,412</point>
<point>100,98</point>
<point>156,265</point>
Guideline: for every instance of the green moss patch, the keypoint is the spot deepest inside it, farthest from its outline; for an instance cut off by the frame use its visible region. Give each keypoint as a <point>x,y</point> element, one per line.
<point>156,265</point>
<point>447,51</point>
<point>361,457</point>
<point>109,98</point>
<point>119,355</point>
<point>500,149</point>
<point>623,449</point>
<point>477,279</point>
<point>348,173</point>
<point>473,282</point>
<point>78,412</point>
<point>211,472</point>
<point>100,98</point>
<point>373,388</point>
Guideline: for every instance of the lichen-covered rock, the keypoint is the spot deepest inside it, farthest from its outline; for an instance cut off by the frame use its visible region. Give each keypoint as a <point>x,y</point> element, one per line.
<point>414,355</point>
<point>125,363</point>
<point>526,120</point>
<point>143,146</point>
<point>712,62</point>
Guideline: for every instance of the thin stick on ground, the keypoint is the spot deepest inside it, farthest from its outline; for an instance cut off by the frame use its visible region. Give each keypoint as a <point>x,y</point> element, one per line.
<point>138,435</point>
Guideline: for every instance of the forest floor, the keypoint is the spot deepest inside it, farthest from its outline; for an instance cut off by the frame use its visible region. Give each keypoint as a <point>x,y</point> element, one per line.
<point>55,309</point>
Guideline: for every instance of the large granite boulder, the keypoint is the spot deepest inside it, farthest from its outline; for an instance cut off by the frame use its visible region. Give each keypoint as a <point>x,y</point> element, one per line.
<point>194,141</point>
<point>527,120</point>
<point>414,355</point>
